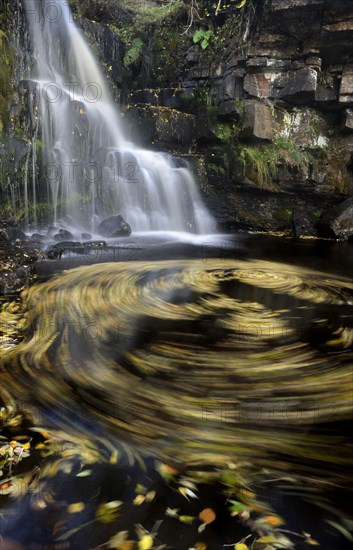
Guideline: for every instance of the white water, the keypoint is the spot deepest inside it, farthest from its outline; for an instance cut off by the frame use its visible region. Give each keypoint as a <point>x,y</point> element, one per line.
<point>92,170</point>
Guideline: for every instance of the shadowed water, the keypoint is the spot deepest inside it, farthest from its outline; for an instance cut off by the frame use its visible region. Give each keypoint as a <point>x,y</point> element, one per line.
<point>233,369</point>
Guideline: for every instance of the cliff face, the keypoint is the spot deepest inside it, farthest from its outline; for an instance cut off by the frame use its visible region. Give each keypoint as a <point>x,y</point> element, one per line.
<point>260,99</point>
<point>269,108</point>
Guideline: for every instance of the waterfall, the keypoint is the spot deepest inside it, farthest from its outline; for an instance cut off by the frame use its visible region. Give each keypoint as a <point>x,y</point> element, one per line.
<point>91,169</point>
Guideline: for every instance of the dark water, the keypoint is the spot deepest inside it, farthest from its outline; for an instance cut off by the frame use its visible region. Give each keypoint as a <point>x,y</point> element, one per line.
<point>228,359</point>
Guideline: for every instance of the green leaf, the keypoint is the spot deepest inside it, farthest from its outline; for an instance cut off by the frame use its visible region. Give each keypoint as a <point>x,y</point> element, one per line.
<point>198,36</point>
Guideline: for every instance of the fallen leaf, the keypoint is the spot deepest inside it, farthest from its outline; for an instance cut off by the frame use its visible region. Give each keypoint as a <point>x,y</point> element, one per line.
<point>76,508</point>
<point>146,542</point>
<point>207,516</point>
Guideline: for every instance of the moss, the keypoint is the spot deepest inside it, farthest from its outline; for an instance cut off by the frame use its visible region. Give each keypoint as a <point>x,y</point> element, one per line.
<point>260,163</point>
<point>134,53</point>
<point>6,85</point>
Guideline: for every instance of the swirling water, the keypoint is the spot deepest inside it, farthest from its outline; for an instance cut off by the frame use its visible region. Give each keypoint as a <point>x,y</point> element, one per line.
<point>235,365</point>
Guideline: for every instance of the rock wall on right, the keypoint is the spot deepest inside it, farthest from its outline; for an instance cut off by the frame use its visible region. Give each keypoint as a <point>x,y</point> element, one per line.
<point>271,96</point>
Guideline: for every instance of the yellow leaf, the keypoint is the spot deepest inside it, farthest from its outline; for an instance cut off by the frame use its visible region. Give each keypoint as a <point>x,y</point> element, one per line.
<point>312,542</point>
<point>114,457</point>
<point>186,519</point>
<point>200,546</point>
<point>207,516</point>
<point>146,542</point>
<point>267,539</point>
<point>107,512</point>
<point>138,500</point>
<point>76,507</point>
<point>241,546</point>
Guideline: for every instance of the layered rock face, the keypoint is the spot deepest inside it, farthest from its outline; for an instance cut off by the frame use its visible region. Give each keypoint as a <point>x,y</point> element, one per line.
<point>273,113</point>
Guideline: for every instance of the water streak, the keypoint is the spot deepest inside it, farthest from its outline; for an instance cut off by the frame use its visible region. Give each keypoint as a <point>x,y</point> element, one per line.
<point>92,169</point>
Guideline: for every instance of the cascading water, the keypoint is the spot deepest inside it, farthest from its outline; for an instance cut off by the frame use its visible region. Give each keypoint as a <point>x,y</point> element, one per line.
<point>92,170</point>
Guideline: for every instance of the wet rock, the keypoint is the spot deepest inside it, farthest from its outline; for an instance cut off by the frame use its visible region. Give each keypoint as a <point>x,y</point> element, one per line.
<point>86,236</point>
<point>63,235</point>
<point>114,226</point>
<point>303,223</point>
<point>337,222</point>
<point>55,251</point>
<point>38,237</point>
<point>52,229</point>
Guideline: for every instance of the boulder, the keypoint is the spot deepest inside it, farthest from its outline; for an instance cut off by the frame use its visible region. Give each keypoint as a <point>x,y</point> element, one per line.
<point>337,222</point>
<point>52,229</point>
<point>63,235</point>
<point>114,226</point>
<point>86,236</point>
<point>38,237</point>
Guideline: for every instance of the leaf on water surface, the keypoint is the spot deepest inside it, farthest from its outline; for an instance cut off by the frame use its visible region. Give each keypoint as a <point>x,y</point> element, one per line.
<point>186,519</point>
<point>108,511</point>
<point>150,496</point>
<point>117,540</point>
<point>146,542</point>
<point>187,493</point>
<point>138,500</point>
<point>236,507</point>
<point>84,473</point>
<point>114,457</point>
<point>76,507</point>
<point>240,546</point>
<point>267,539</point>
<point>207,516</point>
<point>274,521</point>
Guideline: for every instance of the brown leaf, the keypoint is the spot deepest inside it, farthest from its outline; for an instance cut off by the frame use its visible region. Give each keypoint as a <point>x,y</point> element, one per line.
<point>207,516</point>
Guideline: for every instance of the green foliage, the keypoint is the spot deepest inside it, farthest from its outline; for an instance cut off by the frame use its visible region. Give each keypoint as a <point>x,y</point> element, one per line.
<point>6,71</point>
<point>134,53</point>
<point>204,37</point>
<point>260,163</point>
